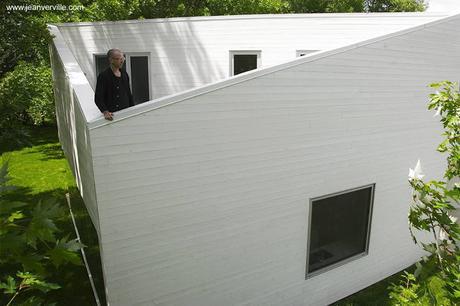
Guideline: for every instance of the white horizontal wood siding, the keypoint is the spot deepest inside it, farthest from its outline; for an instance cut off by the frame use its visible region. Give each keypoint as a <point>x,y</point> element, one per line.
<point>191,52</point>
<point>73,131</point>
<point>205,201</point>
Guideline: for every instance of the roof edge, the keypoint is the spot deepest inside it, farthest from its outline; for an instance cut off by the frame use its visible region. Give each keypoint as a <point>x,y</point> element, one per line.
<point>198,91</point>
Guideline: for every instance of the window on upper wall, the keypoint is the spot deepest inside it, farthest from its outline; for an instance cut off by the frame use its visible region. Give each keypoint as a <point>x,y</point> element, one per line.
<point>242,61</point>
<point>299,53</point>
<point>339,228</point>
<point>137,67</point>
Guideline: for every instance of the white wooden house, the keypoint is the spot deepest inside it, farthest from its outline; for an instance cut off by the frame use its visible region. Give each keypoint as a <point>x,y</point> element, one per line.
<point>284,185</point>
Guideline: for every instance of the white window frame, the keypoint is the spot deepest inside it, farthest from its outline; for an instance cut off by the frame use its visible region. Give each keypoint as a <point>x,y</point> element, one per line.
<point>368,231</point>
<point>298,53</point>
<point>244,52</point>
<point>128,67</point>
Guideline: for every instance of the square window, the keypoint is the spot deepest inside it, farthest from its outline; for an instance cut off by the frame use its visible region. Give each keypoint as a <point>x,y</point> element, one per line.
<point>339,228</point>
<point>242,61</point>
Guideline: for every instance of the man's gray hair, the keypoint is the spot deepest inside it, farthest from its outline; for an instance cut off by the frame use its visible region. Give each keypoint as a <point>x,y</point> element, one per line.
<point>112,51</point>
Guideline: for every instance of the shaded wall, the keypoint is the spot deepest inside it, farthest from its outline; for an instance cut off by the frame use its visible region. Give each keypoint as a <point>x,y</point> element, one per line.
<point>73,132</point>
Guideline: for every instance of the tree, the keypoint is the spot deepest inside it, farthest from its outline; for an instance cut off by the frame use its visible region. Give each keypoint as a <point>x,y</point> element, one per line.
<point>24,35</point>
<point>339,6</point>
<point>26,95</point>
<point>395,5</point>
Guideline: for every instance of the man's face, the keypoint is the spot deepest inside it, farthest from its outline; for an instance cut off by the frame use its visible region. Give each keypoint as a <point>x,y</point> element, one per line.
<point>117,59</point>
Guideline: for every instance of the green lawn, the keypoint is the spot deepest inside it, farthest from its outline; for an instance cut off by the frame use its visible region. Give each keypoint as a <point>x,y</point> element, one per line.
<point>430,293</point>
<point>376,294</point>
<point>40,171</point>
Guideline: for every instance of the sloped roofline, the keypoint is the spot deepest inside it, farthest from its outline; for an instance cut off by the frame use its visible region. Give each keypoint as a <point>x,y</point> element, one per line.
<point>257,16</point>
<point>198,91</point>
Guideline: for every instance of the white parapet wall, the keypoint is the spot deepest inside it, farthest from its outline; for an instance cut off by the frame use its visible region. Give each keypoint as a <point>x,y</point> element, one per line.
<point>74,109</point>
<point>189,52</point>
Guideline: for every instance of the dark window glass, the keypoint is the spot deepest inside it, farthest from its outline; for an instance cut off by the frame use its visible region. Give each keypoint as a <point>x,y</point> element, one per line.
<point>339,227</point>
<point>140,78</point>
<point>244,62</point>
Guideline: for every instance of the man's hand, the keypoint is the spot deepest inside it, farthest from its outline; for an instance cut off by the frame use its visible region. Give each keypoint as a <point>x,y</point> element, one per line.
<point>108,115</point>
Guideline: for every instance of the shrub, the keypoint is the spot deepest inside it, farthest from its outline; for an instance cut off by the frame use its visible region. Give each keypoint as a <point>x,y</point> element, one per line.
<point>26,96</point>
<point>432,205</point>
<point>31,252</point>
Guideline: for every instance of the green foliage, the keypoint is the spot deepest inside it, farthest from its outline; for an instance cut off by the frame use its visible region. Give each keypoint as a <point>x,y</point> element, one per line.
<point>30,247</point>
<point>326,6</point>
<point>25,77</point>
<point>345,6</point>
<point>9,286</point>
<point>28,282</point>
<point>433,204</point>
<point>26,95</point>
<point>26,98</point>
<point>340,6</point>
<point>40,172</point>
<point>119,9</point>
<point>237,7</point>
<point>24,35</point>
<point>405,293</point>
<point>395,5</point>
<point>65,251</point>
<point>447,104</point>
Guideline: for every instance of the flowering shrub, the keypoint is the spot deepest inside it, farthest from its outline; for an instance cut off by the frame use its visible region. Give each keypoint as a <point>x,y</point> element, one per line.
<point>432,206</point>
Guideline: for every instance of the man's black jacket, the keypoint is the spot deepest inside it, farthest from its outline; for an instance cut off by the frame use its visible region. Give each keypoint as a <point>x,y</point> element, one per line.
<point>113,93</point>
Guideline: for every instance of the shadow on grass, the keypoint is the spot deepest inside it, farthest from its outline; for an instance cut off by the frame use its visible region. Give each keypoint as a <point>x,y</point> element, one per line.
<point>50,151</point>
<point>376,294</point>
<point>31,136</point>
<point>431,289</point>
<point>75,286</point>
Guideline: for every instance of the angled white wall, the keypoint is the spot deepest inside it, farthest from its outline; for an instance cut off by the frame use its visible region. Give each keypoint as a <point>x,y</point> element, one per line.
<point>205,201</point>
<point>191,52</point>
<point>71,92</point>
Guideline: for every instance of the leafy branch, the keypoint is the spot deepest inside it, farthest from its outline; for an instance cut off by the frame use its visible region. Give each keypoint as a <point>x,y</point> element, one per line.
<point>433,202</point>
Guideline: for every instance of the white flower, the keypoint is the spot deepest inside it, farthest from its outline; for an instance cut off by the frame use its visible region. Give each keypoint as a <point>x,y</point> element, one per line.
<point>443,235</point>
<point>416,173</point>
<point>438,111</point>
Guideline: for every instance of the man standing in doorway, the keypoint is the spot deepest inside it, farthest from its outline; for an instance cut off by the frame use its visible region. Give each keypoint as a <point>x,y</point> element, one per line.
<point>113,92</point>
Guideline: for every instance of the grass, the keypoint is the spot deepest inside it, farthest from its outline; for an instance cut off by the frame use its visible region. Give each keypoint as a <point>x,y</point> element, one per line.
<point>431,291</point>
<point>40,171</point>
<point>376,294</point>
